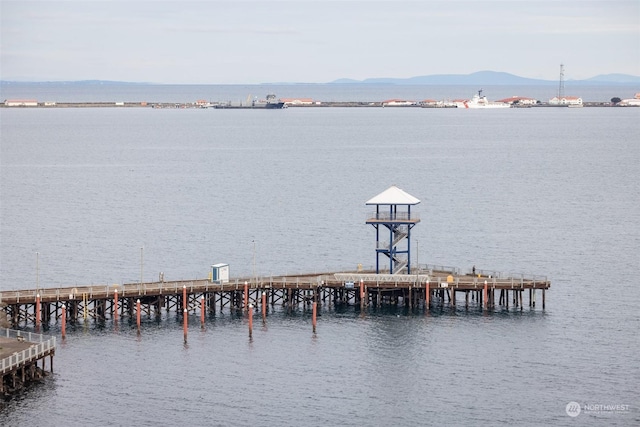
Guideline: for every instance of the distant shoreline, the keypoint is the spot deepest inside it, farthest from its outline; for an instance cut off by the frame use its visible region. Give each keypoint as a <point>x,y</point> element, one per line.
<point>319,104</point>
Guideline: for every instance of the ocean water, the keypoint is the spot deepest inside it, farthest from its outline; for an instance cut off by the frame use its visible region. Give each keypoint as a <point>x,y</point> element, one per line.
<point>103,195</point>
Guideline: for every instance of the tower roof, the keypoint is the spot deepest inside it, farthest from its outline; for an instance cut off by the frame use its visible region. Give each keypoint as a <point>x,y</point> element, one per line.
<point>393,196</point>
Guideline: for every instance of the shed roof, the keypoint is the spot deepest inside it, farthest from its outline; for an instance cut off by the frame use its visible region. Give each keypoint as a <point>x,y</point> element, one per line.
<point>393,196</point>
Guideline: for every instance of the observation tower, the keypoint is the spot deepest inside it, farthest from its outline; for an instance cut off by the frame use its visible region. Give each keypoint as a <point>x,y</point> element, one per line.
<point>393,221</point>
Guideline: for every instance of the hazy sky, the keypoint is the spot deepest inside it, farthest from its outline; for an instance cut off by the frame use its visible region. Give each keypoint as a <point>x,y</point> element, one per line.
<point>314,41</point>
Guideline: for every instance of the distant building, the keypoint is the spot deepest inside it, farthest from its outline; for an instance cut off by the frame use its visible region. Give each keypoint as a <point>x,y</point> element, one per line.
<point>565,100</point>
<point>397,103</point>
<point>522,100</point>
<point>20,103</point>
<point>632,102</point>
<point>297,101</point>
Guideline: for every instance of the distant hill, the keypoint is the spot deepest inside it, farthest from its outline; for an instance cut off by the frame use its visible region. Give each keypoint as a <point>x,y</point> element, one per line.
<point>71,82</point>
<point>479,78</point>
<point>489,78</point>
<point>615,78</point>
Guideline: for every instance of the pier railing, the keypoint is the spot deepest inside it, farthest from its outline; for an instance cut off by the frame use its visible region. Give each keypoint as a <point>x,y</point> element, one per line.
<point>41,346</point>
<point>435,273</point>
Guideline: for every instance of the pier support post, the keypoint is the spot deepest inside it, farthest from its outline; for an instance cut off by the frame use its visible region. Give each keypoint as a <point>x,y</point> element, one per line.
<point>313,316</point>
<point>264,307</point>
<point>250,320</point>
<point>427,296</point>
<point>246,296</point>
<point>533,297</point>
<point>37,311</point>
<point>185,323</point>
<point>543,299</point>
<point>64,321</point>
<point>138,314</point>
<point>521,291</point>
<point>202,310</point>
<point>485,294</point>
<point>184,297</point>
<point>115,305</point>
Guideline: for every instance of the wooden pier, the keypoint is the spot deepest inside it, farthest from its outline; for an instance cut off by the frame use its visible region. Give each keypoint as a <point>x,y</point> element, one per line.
<point>20,353</point>
<point>431,286</point>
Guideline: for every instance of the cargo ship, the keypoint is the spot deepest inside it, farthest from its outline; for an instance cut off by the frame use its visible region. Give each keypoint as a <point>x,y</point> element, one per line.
<point>270,103</point>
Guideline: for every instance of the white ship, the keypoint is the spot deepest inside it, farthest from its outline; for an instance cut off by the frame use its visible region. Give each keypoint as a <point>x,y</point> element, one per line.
<point>479,101</point>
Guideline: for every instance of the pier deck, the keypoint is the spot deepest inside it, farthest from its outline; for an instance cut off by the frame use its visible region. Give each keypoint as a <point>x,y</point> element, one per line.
<point>431,285</point>
<point>20,353</point>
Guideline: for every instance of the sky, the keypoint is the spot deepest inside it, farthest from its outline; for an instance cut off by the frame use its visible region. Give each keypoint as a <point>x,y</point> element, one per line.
<point>307,41</point>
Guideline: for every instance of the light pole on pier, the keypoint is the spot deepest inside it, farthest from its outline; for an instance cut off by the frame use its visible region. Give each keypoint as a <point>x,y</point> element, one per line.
<point>254,260</point>
<point>141,263</point>
<point>37,273</point>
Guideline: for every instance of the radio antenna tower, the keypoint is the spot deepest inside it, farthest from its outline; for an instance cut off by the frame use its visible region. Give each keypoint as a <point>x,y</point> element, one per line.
<point>561,86</point>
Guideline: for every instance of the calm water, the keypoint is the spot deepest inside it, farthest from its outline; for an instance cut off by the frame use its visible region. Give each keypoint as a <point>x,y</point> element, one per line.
<point>540,191</point>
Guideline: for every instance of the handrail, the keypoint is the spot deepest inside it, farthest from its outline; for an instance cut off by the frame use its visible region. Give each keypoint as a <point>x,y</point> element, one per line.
<point>395,216</point>
<point>146,288</point>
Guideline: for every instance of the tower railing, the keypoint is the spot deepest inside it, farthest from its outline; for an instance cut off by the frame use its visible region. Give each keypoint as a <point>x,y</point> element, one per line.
<point>393,216</point>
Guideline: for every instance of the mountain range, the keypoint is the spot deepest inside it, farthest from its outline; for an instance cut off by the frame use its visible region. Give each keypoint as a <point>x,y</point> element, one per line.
<point>491,78</point>
<point>480,78</point>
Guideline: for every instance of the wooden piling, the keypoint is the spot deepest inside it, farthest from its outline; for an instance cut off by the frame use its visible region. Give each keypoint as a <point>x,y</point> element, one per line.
<point>185,323</point>
<point>184,297</point>
<point>246,296</point>
<point>534,303</point>
<point>115,305</point>
<point>250,320</point>
<point>533,297</point>
<point>138,314</point>
<point>485,294</point>
<point>202,310</point>
<point>313,316</point>
<point>64,320</point>
<point>264,307</point>
<point>427,296</point>
<point>37,311</point>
